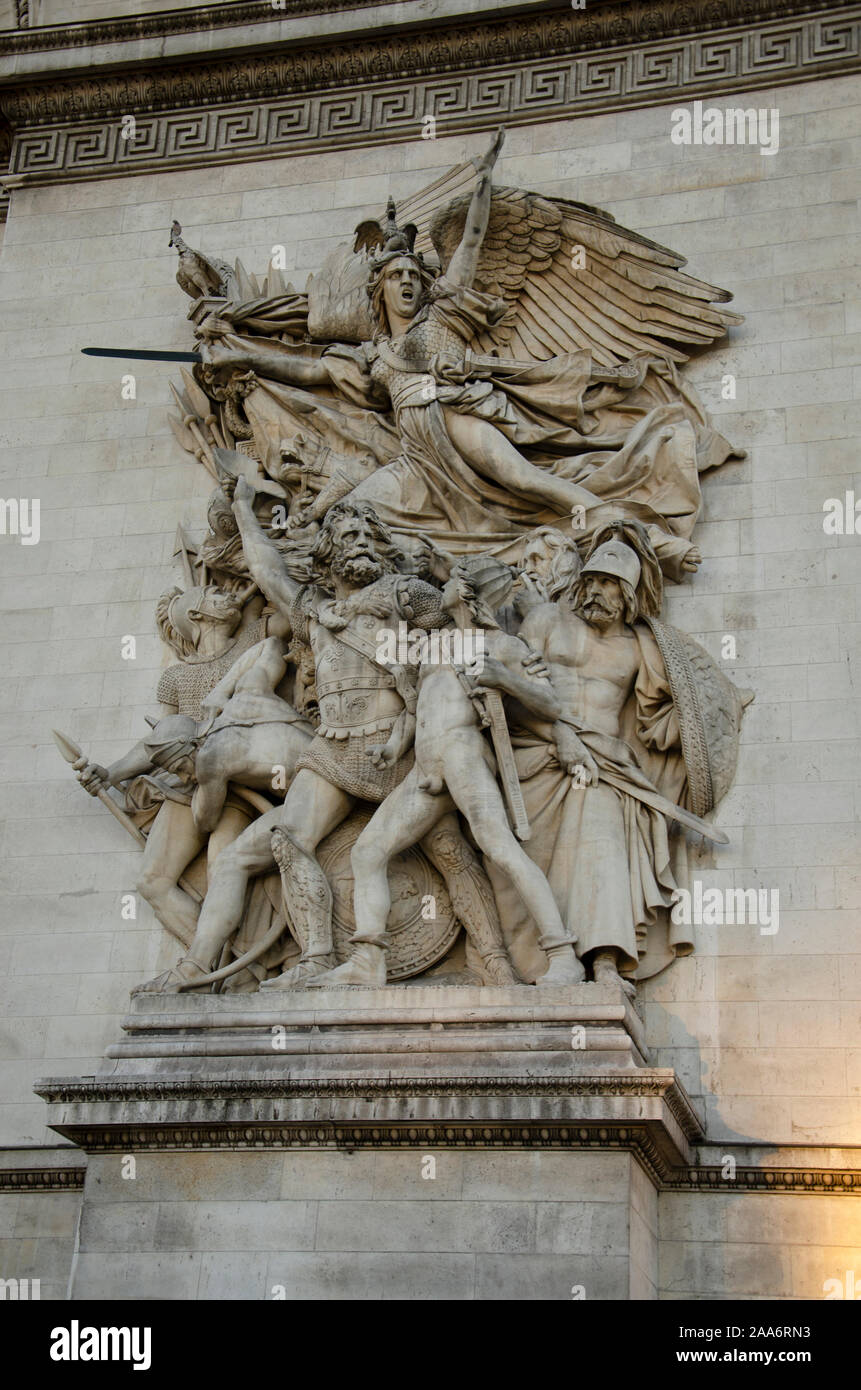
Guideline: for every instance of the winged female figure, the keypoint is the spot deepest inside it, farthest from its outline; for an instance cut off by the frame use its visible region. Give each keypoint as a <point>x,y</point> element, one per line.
<point>589,419</point>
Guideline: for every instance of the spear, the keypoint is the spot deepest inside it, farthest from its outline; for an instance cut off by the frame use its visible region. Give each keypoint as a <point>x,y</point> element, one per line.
<point>190,421</point>
<point>74,755</point>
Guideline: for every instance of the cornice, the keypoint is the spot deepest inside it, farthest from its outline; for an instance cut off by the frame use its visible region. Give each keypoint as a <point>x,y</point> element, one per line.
<point>597,26</point>
<point>226,1090</point>
<point>377,90</point>
<point>41,1180</point>
<point>351,1113</point>
<point>818,1181</point>
<point>161,23</point>
<point>480,43</point>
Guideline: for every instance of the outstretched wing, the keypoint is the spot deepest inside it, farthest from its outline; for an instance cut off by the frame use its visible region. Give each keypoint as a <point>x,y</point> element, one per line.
<point>630,296</point>
<point>578,280</point>
<point>523,236</point>
<point>338,305</point>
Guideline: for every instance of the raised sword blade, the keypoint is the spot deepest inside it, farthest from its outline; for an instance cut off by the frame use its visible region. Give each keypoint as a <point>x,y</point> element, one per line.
<point>142,354</point>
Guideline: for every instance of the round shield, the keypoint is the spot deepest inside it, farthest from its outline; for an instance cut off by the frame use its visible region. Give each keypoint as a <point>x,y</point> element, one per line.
<point>421,927</point>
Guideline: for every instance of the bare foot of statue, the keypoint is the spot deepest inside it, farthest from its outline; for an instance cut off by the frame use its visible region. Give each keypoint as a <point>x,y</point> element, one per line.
<point>366,966</point>
<point>605,972</point>
<point>184,973</point>
<point>564,967</point>
<point>301,976</point>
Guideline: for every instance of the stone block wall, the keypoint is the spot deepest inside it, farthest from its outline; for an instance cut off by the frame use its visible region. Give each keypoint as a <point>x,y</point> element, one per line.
<point>44,12</point>
<point>757,1246</point>
<point>762,1029</point>
<point>366,1225</point>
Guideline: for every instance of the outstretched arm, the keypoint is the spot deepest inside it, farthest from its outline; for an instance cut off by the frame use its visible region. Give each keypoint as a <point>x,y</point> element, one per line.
<point>272,363</point>
<point>464,262</point>
<point>93,777</point>
<point>261,555</point>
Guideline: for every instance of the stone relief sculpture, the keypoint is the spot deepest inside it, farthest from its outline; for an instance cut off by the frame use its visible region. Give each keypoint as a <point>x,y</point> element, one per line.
<point>471,426</point>
<point>454,769</point>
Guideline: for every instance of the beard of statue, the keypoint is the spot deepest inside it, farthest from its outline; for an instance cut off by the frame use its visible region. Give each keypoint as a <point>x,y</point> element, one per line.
<point>601,610</point>
<point>357,568</point>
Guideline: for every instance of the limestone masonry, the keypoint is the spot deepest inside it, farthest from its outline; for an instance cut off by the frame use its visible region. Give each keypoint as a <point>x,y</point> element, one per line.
<point>429,731</point>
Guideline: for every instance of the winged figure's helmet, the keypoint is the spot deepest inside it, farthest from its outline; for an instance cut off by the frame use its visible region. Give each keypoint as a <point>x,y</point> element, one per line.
<point>397,238</point>
<point>387,239</point>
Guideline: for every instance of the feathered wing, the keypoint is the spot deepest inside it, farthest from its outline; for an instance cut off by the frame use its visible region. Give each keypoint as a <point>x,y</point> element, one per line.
<point>630,297</point>
<point>576,280</point>
<point>338,305</point>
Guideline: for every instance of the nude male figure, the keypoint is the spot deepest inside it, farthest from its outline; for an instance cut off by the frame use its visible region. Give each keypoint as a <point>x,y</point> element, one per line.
<point>360,750</point>
<point>453,770</point>
<point>250,731</point>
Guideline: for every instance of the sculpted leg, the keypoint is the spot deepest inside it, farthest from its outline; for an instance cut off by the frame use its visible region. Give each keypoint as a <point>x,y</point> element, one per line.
<point>311,811</point>
<point>308,899</point>
<point>476,793</point>
<point>221,913</point>
<point>173,842</point>
<point>482,444</point>
<point>605,971</point>
<point>231,825</point>
<point>471,895</point>
<point>210,793</point>
<point>398,823</point>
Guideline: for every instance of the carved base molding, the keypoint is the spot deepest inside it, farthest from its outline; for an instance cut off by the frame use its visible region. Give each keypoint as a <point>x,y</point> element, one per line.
<point>377,90</point>
<point>647,1114</point>
<point>410,1067</point>
<point>42,1180</point>
<point>412,1027</point>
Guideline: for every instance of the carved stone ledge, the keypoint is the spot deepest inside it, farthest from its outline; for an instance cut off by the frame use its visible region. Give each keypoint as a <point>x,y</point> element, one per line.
<point>42,1179</point>
<point>413,1028</point>
<point>454,1065</point>
<point>378,89</point>
<point>831,1181</point>
<point>598,26</point>
<point>646,1113</point>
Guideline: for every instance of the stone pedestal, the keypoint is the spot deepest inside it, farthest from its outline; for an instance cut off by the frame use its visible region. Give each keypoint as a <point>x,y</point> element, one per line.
<point>413,1142</point>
